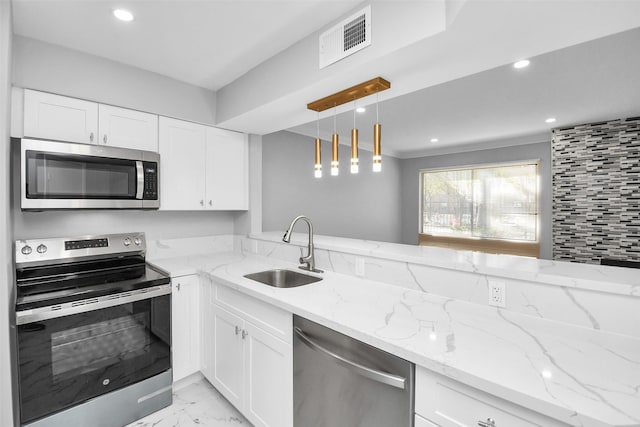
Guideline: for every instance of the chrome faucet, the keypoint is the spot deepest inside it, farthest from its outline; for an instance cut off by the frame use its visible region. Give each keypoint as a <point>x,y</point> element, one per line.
<point>308,261</point>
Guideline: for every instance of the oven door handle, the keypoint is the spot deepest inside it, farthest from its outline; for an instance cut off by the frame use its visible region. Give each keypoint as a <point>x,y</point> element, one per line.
<point>140,175</point>
<point>54,311</point>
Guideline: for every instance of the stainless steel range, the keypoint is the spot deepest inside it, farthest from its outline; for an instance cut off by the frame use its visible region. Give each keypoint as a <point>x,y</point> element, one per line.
<point>93,323</point>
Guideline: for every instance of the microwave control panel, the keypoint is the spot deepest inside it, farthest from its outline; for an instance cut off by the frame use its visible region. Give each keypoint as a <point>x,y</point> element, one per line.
<point>150,181</point>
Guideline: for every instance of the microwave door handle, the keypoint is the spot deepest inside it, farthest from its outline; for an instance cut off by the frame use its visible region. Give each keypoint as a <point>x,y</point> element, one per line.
<point>140,173</point>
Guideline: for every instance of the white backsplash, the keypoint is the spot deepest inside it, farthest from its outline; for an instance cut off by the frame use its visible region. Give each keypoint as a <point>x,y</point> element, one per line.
<point>595,297</point>
<point>170,248</point>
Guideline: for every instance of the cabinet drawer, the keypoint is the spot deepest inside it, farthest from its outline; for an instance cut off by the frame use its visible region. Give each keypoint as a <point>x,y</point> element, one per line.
<point>448,403</point>
<point>271,319</point>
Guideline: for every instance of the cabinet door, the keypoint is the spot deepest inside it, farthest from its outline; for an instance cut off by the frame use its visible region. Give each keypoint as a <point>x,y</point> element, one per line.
<point>228,356</point>
<point>120,127</point>
<point>59,117</point>
<point>227,185</point>
<point>206,328</point>
<point>182,165</point>
<point>269,379</point>
<point>185,326</point>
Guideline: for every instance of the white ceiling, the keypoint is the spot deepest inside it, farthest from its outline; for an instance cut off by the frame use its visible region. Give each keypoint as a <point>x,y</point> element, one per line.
<point>207,43</point>
<point>454,86</point>
<point>591,81</point>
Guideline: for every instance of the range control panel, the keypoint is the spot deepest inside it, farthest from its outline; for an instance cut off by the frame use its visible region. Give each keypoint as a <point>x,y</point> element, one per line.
<point>38,250</point>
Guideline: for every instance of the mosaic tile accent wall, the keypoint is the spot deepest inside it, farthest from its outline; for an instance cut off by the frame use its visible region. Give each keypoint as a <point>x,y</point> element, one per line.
<point>596,191</point>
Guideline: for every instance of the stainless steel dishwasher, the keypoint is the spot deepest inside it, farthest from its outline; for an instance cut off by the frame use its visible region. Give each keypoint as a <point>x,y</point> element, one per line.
<point>341,382</point>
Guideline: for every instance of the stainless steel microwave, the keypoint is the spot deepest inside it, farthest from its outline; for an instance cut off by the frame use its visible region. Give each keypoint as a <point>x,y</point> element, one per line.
<point>64,175</point>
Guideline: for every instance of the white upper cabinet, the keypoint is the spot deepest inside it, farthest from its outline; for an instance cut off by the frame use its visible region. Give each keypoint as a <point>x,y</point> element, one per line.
<point>182,165</point>
<point>227,170</point>
<point>203,168</point>
<point>59,117</point>
<point>120,127</point>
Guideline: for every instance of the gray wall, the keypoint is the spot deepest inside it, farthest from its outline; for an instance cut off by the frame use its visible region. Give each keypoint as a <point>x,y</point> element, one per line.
<point>6,269</point>
<point>251,220</point>
<point>51,68</point>
<point>362,206</point>
<point>59,70</point>
<point>411,185</point>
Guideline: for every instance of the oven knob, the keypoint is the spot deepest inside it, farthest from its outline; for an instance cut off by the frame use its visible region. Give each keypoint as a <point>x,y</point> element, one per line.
<point>26,250</point>
<point>127,241</point>
<point>137,241</point>
<point>41,249</point>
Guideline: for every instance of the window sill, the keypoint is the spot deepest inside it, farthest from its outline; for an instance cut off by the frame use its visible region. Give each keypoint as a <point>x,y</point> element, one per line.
<point>530,249</point>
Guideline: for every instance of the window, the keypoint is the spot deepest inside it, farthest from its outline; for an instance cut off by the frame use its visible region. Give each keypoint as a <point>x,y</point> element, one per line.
<point>497,202</point>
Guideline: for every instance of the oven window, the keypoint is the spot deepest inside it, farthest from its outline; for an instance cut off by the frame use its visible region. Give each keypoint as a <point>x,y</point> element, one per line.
<point>68,360</point>
<point>53,176</point>
<point>92,347</point>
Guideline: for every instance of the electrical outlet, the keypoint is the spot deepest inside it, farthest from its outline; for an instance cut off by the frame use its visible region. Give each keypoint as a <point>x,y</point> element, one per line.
<point>360,267</point>
<point>497,294</point>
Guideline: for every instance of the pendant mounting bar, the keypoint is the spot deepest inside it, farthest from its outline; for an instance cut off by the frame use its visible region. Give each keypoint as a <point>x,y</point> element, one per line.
<point>349,95</point>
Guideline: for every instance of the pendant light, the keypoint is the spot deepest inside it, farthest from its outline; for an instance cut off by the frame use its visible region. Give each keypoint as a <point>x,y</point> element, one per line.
<point>318,165</point>
<point>354,143</point>
<point>334,147</point>
<point>377,134</point>
<point>351,94</point>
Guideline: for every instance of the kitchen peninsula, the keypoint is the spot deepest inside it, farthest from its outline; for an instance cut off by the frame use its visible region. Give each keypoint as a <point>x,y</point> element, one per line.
<point>561,367</point>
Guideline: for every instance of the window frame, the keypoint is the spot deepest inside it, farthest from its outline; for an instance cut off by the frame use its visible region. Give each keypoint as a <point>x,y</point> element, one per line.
<point>480,244</point>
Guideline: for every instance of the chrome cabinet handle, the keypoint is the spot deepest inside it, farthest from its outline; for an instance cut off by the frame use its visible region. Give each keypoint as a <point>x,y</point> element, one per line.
<point>210,203</point>
<point>178,286</point>
<point>489,423</point>
<point>372,374</point>
<point>201,202</point>
<point>244,334</point>
<point>237,330</point>
<point>104,138</point>
<point>91,137</point>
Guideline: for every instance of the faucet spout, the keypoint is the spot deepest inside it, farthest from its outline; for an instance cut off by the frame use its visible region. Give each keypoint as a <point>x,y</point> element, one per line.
<point>308,261</point>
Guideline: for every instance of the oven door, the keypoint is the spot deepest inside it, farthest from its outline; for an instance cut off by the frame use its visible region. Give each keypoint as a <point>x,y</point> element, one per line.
<point>64,361</point>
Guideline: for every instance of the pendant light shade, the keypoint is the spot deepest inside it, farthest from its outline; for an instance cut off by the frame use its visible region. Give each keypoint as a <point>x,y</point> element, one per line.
<point>377,157</point>
<point>334,155</point>
<point>318,165</point>
<point>354,150</point>
<point>354,143</point>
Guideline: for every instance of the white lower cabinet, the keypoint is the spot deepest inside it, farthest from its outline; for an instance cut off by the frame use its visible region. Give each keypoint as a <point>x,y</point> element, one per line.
<point>185,326</point>
<point>247,354</point>
<point>421,422</point>
<point>443,402</point>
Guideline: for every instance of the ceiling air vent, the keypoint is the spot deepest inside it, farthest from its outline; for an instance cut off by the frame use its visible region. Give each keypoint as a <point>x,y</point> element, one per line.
<point>346,38</point>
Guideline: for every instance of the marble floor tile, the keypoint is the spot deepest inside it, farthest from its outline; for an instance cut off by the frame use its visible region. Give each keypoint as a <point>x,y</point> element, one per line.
<point>197,404</point>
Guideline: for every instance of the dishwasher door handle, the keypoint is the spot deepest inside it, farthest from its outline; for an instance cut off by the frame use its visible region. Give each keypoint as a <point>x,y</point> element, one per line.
<point>372,374</point>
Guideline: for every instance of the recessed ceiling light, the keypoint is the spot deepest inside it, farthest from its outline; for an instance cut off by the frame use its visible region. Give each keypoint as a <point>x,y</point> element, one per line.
<point>550,120</point>
<point>361,109</point>
<point>434,139</point>
<point>123,15</point>
<point>521,64</point>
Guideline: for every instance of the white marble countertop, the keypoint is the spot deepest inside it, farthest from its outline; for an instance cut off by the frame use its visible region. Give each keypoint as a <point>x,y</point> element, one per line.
<point>617,280</point>
<point>579,376</point>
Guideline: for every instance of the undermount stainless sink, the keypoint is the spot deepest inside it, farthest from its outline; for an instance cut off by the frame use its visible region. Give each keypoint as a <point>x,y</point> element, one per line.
<point>279,278</point>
